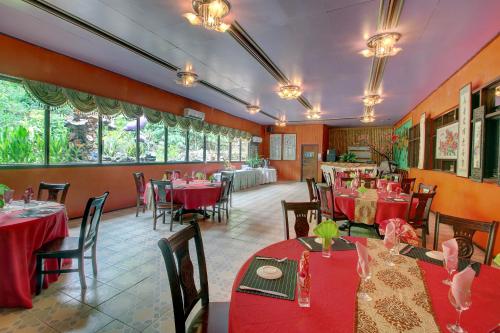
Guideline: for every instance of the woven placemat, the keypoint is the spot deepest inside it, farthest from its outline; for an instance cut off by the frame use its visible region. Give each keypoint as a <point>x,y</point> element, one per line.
<point>338,244</point>
<point>285,284</point>
<point>420,254</point>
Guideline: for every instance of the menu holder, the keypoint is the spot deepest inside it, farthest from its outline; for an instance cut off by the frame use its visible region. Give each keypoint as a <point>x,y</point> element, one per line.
<point>338,244</point>
<point>286,284</point>
<point>420,254</point>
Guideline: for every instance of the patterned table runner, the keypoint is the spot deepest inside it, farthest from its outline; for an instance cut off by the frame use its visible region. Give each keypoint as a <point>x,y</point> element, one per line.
<point>400,300</point>
<point>365,207</point>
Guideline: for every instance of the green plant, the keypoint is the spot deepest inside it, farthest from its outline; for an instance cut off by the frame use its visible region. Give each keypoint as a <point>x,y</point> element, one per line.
<point>254,161</point>
<point>348,157</point>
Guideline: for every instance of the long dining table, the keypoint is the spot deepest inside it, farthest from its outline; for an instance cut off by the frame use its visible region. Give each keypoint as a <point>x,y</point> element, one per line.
<point>408,297</point>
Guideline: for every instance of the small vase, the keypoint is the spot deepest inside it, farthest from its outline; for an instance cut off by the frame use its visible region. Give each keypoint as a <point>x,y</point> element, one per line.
<point>326,249</point>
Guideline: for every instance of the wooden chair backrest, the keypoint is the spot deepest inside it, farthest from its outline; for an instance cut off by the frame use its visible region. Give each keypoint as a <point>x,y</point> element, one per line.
<point>300,210</point>
<point>53,191</point>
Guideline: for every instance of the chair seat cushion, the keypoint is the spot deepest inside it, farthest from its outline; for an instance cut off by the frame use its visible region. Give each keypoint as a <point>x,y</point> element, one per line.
<point>60,245</point>
<point>213,318</point>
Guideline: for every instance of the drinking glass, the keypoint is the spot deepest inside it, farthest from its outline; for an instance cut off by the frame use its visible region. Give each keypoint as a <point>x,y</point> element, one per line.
<point>450,264</point>
<point>465,304</point>
<point>398,192</point>
<point>326,248</point>
<point>365,275</point>
<point>304,290</point>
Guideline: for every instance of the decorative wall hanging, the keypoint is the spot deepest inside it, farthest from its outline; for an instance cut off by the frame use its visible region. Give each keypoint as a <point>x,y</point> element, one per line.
<point>401,145</point>
<point>275,147</point>
<point>464,114</point>
<point>421,147</point>
<point>447,142</point>
<point>477,144</point>
<point>289,147</point>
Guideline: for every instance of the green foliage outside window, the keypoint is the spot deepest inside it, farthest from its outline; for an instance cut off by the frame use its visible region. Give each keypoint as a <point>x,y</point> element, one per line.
<point>152,141</point>
<point>176,144</point>
<point>119,144</point>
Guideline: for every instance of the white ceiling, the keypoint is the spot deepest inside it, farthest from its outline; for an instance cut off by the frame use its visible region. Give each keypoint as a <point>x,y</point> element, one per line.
<point>315,42</point>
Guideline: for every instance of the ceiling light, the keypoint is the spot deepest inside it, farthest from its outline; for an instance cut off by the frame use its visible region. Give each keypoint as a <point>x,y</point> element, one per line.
<point>382,45</point>
<point>497,91</point>
<point>187,78</point>
<point>371,100</point>
<point>313,114</point>
<point>367,119</point>
<point>209,14</point>
<point>290,91</point>
<point>281,122</point>
<point>368,115</point>
<point>253,109</point>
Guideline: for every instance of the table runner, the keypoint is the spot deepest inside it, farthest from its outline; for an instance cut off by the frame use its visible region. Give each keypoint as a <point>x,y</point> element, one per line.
<point>365,207</point>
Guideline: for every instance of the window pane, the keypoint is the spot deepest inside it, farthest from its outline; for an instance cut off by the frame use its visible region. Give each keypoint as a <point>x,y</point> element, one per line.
<point>211,147</point>
<point>244,150</point>
<point>176,144</point>
<point>22,129</point>
<point>224,148</point>
<point>73,136</point>
<point>235,150</point>
<point>151,141</point>
<point>119,140</point>
<point>196,146</point>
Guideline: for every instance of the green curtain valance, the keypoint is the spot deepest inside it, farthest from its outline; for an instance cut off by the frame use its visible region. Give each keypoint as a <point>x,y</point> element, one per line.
<point>56,97</point>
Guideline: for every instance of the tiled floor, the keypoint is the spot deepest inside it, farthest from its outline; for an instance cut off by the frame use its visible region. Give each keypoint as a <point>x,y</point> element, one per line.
<point>130,292</point>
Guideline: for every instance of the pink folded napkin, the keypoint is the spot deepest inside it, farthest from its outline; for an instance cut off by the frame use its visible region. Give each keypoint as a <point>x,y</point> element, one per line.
<point>390,235</point>
<point>450,249</point>
<point>461,285</point>
<point>363,257</point>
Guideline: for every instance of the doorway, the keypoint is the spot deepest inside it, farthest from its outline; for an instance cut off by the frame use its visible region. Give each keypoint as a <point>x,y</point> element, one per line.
<point>309,157</point>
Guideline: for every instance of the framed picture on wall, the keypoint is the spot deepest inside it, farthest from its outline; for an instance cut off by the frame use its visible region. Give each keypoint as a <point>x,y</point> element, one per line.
<point>477,144</point>
<point>447,142</point>
<point>464,114</point>
<point>275,147</point>
<point>421,147</point>
<point>289,147</point>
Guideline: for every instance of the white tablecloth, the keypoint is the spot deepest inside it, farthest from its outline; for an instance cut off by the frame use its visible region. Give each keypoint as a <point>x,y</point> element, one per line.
<point>251,177</point>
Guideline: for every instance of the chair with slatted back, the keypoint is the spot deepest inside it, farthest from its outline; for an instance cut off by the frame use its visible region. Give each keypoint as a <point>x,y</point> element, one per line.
<point>163,202</point>
<point>301,210</point>
<point>425,188</point>
<point>74,247</point>
<point>463,232</point>
<point>327,177</point>
<point>370,182</point>
<point>327,199</point>
<point>224,198</point>
<point>407,185</point>
<point>313,196</point>
<point>53,191</point>
<point>172,174</point>
<point>403,173</point>
<point>140,186</point>
<point>229,174</point>
<point>213,316</point>
<point>345,180</point>
<point>417,213</point>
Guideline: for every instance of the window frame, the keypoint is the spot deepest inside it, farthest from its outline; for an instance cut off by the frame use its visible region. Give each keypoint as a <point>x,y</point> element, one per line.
<point>446,118</point>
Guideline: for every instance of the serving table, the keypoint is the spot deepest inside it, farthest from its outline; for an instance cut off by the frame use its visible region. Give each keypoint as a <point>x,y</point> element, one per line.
<point>24,228</point>
<point>246,178</point>
<point>408,297</point>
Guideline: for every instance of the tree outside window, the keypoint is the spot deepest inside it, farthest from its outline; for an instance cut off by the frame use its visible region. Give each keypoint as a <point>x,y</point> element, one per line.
<point>224,148</point>
<point>212,145</point>
<point>244,149</point>
<point>119,140</point>
<point>151,141</point>
<point>176,151</point>
<point>196,146</point>
<point>235,150</point>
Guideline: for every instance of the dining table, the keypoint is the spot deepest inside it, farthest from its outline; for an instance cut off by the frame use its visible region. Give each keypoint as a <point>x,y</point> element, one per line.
<point>24,228</point>
<point>407,297</point>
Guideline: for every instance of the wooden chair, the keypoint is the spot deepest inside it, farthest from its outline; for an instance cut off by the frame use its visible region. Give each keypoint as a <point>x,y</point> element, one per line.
<point>162,206</point>
<point>424,188</point>
<point>463,231</point>
<point>407,185</point>
<point>328,206</point>
<point>301,211</point>
<point>53,191</point>
<point>403,173</point>
<point>223,202</point>
<point>345,180</point>
<point>213,317</point>
<point>313,193</point>
<point>140,187</point>
<point>328,178</point>
<point>169,174</point>
<point>420,218</point>
<point>229,174</point>
<point>370,183</point>
<point>74,247</point>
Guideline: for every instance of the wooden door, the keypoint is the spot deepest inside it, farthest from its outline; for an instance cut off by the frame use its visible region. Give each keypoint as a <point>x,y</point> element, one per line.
<point>309,157</point>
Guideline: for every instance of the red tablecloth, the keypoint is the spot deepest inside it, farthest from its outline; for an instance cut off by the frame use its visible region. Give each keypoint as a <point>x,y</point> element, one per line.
<point>333,297</point>
<point>196,194</point>
<point>19,239</point>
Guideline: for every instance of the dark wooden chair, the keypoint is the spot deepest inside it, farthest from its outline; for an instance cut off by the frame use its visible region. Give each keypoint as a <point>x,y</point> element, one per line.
<point>345,180</point>
<point>53,191</point>
<point>407,185</point>
<point>313,193</point>
<point>140,187</point>
<point>223,202</point>
<point>328,204</point>
<point>370,183</point>
<point>424,188</point>
<point>403,173</point>
<point>301,211</point>
<point>420,218</point>
<point>169,174</point>
<point>74,247</point>
<point>162,205</point>
<point>229,174</point>
<point>463,231</point>
<point>213,317</point>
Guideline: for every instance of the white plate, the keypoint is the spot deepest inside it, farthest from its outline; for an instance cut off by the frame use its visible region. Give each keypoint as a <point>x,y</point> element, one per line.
<point>435,255</point>
<point>269,272</point>
<point>318,240</point>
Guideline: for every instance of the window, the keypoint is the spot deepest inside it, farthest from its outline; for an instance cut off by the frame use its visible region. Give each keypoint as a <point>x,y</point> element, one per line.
<point>212,143</point>
<point>244,149</point>
<point>235,150</point>
<point>196,146</point>
<point>119,136</point>
<point>22,141</point>
<point>445,119</point>
<point>413,146</point>
<point>223,148</point>
<point>491,151</point>
<point>73,137</point>
<point>151,141</point>
<point>176,138</point>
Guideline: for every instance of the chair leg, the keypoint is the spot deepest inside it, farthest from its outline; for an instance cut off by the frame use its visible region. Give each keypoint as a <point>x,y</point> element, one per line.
<point>180,218</point>
<point>218,213</point>
<point>59,265</point>
<point>143,207</point>
<point>163,217</point>
<point>94,259</point>
<point>348,229</point>
<point>137,208</point>
<point>227,211</point>
<point>81,272</point>
<point>424,238</point>
<point>154,219</point>
<point>172,220</point>
<point>39,275</point>
<point>213,212</point>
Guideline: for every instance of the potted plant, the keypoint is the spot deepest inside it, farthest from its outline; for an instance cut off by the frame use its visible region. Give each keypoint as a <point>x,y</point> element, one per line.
<point>3,190</point>
<point>349,157</point>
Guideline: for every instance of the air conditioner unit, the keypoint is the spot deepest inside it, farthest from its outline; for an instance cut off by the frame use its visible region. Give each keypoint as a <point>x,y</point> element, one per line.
<point>256,139</point>
<point>193,114</point>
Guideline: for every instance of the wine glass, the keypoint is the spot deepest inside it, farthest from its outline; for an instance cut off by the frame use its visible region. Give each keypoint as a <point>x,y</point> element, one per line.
<point>398,192</point>
<point>460,305</point>
<point>365,275</point>
<point>450,264</point>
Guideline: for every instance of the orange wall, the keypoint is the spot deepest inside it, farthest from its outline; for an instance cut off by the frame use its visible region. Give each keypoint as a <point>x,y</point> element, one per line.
<point>306,134</point>
<point>21,59</point>
<point>461,196</point>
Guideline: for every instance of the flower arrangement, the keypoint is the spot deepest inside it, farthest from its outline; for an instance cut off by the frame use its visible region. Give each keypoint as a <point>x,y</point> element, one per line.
<point>327,230</point>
